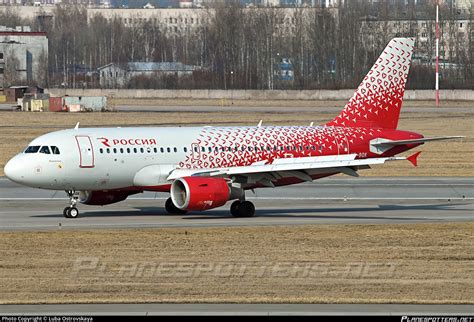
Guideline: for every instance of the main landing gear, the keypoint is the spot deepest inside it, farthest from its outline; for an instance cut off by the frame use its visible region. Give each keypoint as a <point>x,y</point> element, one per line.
<point>172,209</point>
<point>242,208</point>
<point>71,211</point>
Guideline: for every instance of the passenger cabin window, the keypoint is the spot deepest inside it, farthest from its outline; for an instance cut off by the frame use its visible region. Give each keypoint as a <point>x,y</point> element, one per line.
<point>55,150</point>
<point>45,150</point>
<point>32,149</point>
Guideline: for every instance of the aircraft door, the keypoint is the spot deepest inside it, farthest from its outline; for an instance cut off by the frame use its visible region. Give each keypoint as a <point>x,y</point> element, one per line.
<point>196,151</point>
<point>336,143</point>
<point>344,144</point>
<point>86,151</point>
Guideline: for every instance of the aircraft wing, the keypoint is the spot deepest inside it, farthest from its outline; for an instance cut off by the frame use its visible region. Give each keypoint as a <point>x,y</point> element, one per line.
<point>302,168</point>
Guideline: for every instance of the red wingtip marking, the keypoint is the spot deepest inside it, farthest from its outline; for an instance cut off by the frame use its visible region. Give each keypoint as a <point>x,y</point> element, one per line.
<point>413,158</point>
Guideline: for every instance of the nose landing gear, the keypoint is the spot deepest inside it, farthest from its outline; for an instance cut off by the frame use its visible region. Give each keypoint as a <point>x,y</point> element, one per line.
<point>71,211</point>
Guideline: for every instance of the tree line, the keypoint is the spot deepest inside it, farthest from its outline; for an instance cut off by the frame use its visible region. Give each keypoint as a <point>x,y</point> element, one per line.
<point>240,48</point>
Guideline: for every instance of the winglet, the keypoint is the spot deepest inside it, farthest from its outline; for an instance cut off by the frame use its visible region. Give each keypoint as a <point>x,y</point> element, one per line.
<point>413,158</point>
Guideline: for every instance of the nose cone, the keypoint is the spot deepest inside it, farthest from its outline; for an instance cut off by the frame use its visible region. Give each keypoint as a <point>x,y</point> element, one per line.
<point>13,171</point>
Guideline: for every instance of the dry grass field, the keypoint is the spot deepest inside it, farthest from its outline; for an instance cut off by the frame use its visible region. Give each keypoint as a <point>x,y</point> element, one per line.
<point>453,158</point>
<point>415,263</point>
<point>271,103</point>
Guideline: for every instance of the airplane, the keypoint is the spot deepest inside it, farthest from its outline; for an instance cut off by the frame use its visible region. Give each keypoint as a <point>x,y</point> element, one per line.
<point>205,167</point>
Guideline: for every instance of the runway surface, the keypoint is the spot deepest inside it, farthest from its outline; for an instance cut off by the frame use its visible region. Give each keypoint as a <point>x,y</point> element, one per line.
<point>329,201</point>
<point>237,309</point>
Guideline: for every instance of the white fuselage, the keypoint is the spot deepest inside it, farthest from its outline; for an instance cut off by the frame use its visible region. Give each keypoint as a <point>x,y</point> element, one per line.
<point>113,158</point>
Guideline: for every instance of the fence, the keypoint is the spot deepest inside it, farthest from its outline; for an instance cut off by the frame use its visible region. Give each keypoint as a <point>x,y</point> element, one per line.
<point>344,94</point>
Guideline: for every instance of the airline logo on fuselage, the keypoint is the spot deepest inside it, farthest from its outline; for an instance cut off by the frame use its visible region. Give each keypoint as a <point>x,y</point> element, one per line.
<point>110,142</point>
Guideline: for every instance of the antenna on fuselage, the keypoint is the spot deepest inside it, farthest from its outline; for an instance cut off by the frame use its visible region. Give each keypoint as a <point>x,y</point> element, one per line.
<point>259,123</point>
<point>77,126</point>
<point>311,124</point>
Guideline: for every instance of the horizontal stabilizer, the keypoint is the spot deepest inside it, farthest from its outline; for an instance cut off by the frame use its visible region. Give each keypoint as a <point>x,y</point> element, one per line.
<point>381,145</point>
<point>413,141</point>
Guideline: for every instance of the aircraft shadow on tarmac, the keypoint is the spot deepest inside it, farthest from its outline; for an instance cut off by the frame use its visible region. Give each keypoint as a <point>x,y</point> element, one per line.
<point>322,213</point>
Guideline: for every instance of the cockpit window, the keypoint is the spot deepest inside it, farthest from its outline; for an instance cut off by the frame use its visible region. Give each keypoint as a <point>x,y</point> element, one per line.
<point>55,149</point>
<point>32,149</point>
<point>45,150</point>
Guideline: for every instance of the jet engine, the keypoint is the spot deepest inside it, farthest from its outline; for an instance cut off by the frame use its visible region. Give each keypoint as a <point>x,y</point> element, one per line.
<point>104,197</point>
<point>201,193</point>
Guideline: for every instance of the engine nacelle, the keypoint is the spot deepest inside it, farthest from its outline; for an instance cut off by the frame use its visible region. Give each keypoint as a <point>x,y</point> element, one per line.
<point>100,198</point>
<point>199,193</point>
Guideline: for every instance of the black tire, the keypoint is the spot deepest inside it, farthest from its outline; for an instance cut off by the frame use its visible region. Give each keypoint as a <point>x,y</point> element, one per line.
<point>234,208</point>
<point>246,209</point>
<point>72,212</point>
<point>65,212</point>
<point>172,209</point>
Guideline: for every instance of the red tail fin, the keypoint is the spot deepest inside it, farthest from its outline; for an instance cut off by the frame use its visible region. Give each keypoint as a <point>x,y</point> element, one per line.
<point>378,100</point>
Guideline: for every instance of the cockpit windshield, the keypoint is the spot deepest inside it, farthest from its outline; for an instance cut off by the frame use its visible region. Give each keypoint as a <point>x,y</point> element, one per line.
<point>42,149</point>
<point>32,149</point>
<point>45,150</point>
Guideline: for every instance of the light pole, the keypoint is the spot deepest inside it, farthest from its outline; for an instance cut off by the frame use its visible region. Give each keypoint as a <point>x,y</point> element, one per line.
<point>437,55</point>
<point>232,86</point>
<point>278,69</point>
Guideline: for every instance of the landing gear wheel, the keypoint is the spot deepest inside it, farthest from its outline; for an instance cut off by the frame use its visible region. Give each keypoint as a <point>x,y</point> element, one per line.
<point>172,209</point>
<point>234,208</point>
<point>71,212</point>
<point>244,209</point>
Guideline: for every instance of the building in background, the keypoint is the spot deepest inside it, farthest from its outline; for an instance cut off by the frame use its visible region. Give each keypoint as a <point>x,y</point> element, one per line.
<point>454,36</point>
<point>117,76</point>
<point>284,70</point>
<point>23,56</point>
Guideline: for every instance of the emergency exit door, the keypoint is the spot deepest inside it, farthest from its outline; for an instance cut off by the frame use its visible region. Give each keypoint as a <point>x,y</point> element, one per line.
<point>86,151</point>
